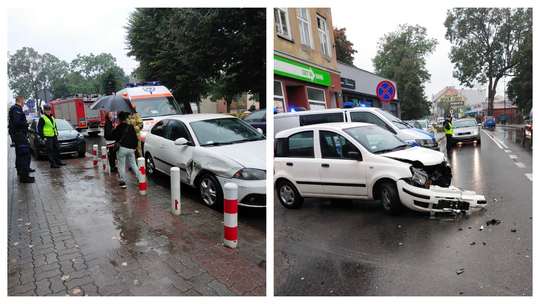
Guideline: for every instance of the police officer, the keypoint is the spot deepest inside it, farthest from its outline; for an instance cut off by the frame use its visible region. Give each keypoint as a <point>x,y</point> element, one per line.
<point>47,130</point>
<point>18,126</point>
<point>448,132</point>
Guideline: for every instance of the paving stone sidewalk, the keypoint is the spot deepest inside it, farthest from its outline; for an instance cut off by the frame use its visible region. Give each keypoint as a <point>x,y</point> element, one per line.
<point>75,232</point>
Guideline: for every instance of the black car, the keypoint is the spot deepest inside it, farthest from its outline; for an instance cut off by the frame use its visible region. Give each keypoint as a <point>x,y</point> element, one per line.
<point>257,119</point>
<point>71,141</point>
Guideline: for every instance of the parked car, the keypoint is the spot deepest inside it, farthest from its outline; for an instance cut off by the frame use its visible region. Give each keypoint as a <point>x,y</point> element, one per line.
<point>210,150</point>
<point>466,130</point>
<point>257,119</point>
<point>489,122</point>
<point>527,129</point>
<point>414,124</point>
<point>71,141</point>
<point>377,116</point>
<point>426,126</point>
<point>364,161</point>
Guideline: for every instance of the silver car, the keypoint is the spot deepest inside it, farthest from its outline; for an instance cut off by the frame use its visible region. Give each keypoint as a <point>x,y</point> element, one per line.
<point>466,130</point>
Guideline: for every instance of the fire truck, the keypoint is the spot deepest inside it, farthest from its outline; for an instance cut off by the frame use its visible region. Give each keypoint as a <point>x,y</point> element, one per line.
<point>76,110</point>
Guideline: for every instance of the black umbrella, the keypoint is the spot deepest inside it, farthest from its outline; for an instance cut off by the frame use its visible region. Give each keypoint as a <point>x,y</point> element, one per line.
<point>113,103</point>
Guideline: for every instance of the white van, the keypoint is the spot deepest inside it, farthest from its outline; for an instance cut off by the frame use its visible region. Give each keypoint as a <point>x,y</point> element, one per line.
<point>377,116</point>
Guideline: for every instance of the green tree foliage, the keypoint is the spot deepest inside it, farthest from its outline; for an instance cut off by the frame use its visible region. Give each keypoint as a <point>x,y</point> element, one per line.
<point>486,44</point>
<point>190,49</point>
<point>520,88</point>
<point>93,69</point>
<point>344,48</point>
<point>401,57</point>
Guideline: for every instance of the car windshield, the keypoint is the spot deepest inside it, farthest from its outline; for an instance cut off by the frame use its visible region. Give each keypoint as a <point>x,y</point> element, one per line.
<point>255,116</point>
<point>62,125</point>
<point>396,121</point>
<point>464,124</point>
<point>376,139</point>
<point>156,106</point>
<point>423,123</point>
<point>221,131</point>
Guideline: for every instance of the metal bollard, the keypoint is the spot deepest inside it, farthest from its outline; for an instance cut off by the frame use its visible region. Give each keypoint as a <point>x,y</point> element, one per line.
<point>142,176</point>
<point>104,159</point>
<point>230,215</point>
<point>95,147</point>
<point>175,191</point>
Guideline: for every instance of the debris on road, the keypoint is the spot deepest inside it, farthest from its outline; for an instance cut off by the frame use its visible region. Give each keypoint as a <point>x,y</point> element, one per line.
<point>493,222</point>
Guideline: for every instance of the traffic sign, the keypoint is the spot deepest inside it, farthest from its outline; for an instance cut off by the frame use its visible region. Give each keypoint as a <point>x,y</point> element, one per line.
<point>26,112</point>
<point>30,103</point>
<point>451,112</point>
<point>386,91</point>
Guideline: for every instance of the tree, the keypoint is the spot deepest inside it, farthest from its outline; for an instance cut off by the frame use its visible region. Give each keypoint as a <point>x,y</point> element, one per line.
<point>93,69</point>
<point>486,43</point>
<point>344,50</point>
<point>400,57</point>
<point>29,72</point>
<point>520,88</point>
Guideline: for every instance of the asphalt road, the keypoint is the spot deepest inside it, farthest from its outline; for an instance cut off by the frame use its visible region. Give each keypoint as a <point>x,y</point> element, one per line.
<point>353,248</point>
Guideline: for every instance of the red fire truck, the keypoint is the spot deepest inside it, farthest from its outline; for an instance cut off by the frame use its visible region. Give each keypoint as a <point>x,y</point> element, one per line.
<point>76,110</point>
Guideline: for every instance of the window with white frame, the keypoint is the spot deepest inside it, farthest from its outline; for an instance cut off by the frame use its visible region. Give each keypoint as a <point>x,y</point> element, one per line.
<point>279,99</point>
<point>316,99</point>
<point>281,16</point>
<point>322,25</point>
<point>304,26</point>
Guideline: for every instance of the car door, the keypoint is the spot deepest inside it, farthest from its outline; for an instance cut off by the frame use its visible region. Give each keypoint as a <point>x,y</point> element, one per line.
<point>154,144</point>
<point>340,174</point>
<point>178,155</point>
<point>296,156</point>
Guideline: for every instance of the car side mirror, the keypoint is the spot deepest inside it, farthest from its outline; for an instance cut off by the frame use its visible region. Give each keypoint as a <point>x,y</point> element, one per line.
<point>181,141</point>
<point>260,130</point>
<point>354,155</point>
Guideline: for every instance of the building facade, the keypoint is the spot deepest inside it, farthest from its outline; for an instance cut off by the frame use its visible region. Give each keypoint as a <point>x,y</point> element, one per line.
<point>360,87</point>
<point>305,67</point>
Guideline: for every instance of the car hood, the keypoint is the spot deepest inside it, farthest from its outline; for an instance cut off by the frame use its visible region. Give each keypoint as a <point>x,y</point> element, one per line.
<point>247,154</point>
<point>465,130</point>
<point>67,135</point>
<point>418,133</point>
<point>427,157</point>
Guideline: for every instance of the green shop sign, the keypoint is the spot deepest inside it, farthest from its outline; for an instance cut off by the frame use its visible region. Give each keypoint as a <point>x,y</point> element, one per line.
<point>299,71</point>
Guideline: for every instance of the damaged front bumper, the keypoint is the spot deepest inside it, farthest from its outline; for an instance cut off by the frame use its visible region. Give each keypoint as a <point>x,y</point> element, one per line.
<point>251,193</point>
<point>439,199</point>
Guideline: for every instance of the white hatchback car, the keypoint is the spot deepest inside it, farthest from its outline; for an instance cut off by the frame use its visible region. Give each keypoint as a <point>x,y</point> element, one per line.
<point>364,161</point>
<point>210,150</point>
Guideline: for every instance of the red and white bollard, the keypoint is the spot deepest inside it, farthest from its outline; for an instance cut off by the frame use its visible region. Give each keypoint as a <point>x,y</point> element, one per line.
<point>95,155</point>
<point>175,191</point>
<point>142,176</point>
<point>104,159</point>
<point>230,215</point>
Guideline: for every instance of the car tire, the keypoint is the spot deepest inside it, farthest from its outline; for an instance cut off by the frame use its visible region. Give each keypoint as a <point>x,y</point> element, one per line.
<point>390,198</point>
<point>81,154</point>
<point>210,191</point>
<point>288,195</point>
<point>150,165</point>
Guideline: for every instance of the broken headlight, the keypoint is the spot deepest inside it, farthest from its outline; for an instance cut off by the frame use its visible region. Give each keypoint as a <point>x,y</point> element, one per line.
<point>250,174</point>
<point>419,176</point>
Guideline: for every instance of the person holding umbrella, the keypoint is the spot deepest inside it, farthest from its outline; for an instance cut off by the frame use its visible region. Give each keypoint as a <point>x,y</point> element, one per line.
<point>126,136</point>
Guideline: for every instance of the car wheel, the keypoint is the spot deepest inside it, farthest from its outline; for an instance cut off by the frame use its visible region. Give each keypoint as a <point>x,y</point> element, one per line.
<point>150,166</point>
<point>288,195</point>
<point>81,154</point>
<point>390,199</point>
<point>210,191</point>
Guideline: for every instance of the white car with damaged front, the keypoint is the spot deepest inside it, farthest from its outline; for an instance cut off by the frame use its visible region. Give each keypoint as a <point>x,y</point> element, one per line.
<point>364,161</point>
<point>210,150</point>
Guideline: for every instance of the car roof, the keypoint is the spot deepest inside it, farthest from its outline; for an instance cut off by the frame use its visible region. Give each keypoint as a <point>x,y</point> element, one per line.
<point>196,117</point>
<point>309,112</point>
<point>323,126</point>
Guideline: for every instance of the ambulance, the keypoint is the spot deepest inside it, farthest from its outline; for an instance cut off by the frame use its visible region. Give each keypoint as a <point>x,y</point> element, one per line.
<point>152,101</point>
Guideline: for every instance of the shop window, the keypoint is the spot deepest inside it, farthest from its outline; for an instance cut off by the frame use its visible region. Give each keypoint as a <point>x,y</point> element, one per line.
<point>316,99</point>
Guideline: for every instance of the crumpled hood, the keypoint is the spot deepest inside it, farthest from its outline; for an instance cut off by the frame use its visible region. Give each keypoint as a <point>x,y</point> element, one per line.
<point>426,156</point>
<point>247,154</point>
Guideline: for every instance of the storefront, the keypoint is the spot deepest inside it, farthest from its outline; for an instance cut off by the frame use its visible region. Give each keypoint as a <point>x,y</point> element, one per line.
<point>360,87</point>
<point>302,84</point>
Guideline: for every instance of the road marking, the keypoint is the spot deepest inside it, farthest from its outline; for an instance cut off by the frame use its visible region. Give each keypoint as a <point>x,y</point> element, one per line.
<point>529,176</point>
<point>513,156</point>
<point>520,165</point>
<point>508,151</point>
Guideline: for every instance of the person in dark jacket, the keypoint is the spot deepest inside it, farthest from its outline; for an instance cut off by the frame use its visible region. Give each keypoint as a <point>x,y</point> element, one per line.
<point>109,140</point>
<point>127,137</point>
<point>47,130</point>
<point>18,128</point>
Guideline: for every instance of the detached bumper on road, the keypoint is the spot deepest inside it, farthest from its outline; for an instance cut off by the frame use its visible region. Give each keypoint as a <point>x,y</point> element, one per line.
<point>439,199</point>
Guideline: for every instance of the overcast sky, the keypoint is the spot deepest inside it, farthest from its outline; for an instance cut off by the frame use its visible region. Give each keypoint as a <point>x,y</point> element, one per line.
<point>365,27</point>
<point>70,31</point>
